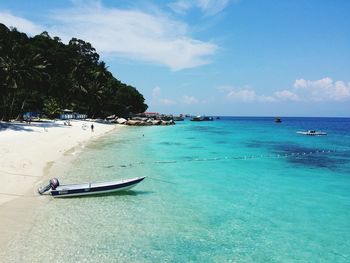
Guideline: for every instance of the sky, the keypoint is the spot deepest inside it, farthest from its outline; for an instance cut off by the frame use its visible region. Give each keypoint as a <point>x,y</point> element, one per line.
<point>223,57</point>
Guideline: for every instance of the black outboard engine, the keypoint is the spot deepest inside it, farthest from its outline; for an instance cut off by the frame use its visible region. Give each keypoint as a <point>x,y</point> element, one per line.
<point>53,184</point>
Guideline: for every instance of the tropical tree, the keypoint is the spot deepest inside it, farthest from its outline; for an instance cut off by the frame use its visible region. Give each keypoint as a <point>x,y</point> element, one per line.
<point>51,108</point>
<point>42,73</point>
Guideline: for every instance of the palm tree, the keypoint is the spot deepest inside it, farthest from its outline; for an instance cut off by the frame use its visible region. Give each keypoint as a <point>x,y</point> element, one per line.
<point>20,68</point>
<point>78,80</point>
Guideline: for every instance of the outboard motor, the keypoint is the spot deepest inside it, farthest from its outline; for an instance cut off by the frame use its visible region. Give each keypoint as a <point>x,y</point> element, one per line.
<point>53,184</point>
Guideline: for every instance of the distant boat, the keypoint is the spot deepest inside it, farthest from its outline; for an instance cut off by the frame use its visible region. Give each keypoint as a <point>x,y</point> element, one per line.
<point>312,133</point>
<point>202,118</point>
<point>178,118</point>
<point>197,118</point>
<point>278,120</point>
<point>57,190</point>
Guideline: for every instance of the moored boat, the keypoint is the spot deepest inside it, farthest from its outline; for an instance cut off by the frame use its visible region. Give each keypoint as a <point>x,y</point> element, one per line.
<point>57,190</point>
<point>312,133</point>
<point>202,118</point>
<point>278,120</point>
<point>178,118</point>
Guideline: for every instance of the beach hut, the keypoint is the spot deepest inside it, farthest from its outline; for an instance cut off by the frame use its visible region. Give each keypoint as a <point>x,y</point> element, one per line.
<point>66,114</point>
<point>30,115</point>
<point>80,116</point>
<point>69,114</point>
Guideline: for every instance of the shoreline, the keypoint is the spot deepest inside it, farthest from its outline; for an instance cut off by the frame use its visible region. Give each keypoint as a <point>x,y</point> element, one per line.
<point>28,154</point>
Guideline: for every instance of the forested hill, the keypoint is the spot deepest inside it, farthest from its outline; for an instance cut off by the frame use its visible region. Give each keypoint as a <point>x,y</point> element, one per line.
<point>43,74</point>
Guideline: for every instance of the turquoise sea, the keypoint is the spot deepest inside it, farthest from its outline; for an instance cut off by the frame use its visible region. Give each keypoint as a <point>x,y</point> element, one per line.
<point>235,189</point>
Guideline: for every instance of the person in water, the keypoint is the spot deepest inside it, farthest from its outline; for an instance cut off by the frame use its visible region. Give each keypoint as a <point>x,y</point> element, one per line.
<point>92,127</point>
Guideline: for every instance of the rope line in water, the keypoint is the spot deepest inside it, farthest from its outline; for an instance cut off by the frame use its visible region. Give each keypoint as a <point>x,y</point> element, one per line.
<point>297,155</point>
<point>243,157</point>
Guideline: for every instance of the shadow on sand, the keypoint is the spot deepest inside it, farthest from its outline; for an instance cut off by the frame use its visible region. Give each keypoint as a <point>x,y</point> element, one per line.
<point>18,126</point>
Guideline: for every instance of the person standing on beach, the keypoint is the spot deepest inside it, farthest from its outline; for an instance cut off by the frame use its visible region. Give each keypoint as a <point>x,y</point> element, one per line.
<point>92,127</point>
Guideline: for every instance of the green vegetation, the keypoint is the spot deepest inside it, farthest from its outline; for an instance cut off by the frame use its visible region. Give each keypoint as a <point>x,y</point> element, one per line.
<point>43,74</point>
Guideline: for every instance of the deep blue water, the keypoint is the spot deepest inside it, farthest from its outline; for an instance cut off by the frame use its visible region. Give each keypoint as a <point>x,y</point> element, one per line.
<point>236,189</point>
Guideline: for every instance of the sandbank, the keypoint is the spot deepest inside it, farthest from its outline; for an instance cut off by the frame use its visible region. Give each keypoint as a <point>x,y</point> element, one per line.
<point>26,153</point>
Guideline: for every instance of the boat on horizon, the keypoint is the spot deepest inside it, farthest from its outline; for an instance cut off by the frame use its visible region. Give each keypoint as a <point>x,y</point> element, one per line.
<point>312,133</point>
<point>278,120</point>
<point>57,190</point>
<point>178,118</point>
<point>202,118</point>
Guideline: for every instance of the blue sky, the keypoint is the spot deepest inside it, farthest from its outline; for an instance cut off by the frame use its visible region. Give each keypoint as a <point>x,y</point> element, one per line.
<point>223,57</point>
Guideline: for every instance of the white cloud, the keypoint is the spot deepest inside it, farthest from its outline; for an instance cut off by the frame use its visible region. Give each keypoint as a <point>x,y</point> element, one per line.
<point>245,94</point>
<point>304,90</point>
<point>208,7</point>
<point>323,89</point>
<point>242,95</point>
<point>157,98</point>
<point>286,95</point>
<point>167,102</point>
<point>212,7</point>
<point>181,6</point>
<point>322,83</point>
<point>264,98</point>
<point>300,83</point>
<point>22,24</point>
<point>132,34</point>
<point>135,35</point>
<point>341,91</point>
<point>156,92</point>
<point>189,100</point>
<point>224,89</point>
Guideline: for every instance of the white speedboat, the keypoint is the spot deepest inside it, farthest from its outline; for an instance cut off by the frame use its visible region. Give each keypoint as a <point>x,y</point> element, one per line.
<point>312,133</point>
<point>57,190</point>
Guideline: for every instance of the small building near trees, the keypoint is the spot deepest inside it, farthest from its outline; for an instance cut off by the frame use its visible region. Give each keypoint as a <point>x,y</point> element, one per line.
<point>69,114</point>
<point>30,115</point>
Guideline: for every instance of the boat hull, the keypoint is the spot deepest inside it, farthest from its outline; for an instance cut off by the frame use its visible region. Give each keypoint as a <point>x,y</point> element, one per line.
<point>202,118</point>
<point>312,133</point>
<point>95,188</point>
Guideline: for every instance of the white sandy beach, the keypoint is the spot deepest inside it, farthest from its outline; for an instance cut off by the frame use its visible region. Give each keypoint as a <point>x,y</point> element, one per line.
<point>26,149</point>
<point>26,152</point>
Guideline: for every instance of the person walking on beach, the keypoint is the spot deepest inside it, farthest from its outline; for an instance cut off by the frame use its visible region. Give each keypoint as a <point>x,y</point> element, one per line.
<point>92,127</point>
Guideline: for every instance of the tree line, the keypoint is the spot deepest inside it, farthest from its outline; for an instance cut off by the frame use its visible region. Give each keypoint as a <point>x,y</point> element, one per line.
<point>43,74</point>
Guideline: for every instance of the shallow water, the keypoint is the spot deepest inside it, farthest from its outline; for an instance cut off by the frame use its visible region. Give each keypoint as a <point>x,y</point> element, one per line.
<point>231,190</point>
